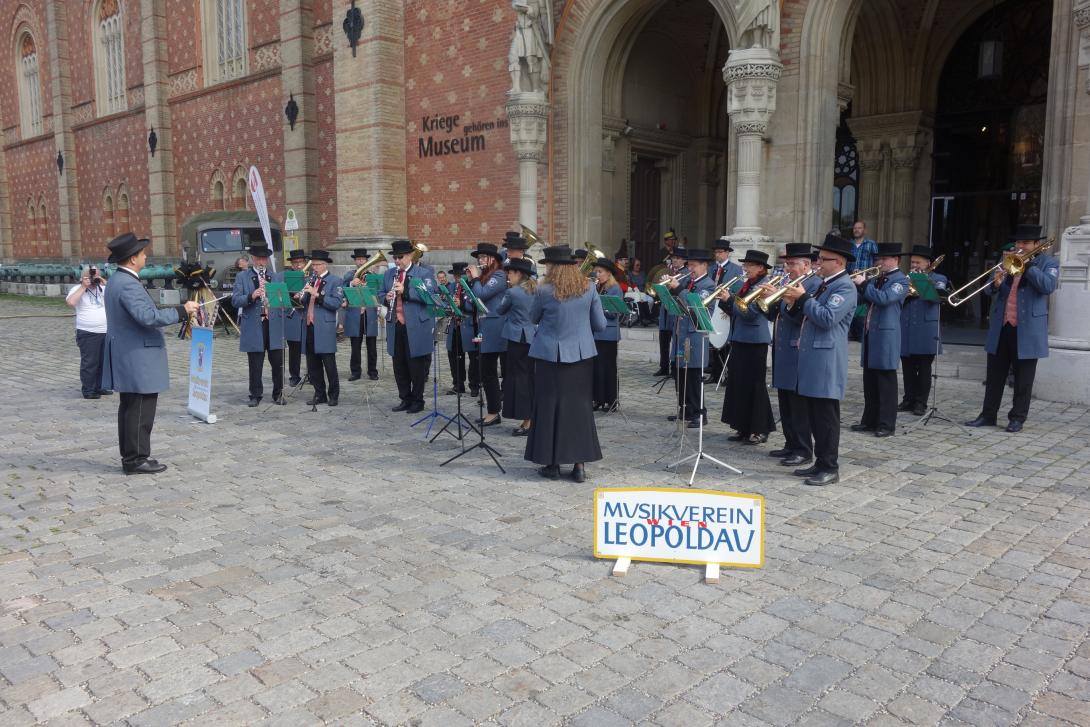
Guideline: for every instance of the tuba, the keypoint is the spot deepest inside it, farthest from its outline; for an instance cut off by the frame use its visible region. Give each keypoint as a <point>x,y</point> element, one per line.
<point>419,249</point>
<point>593,255</point>
<point>379,258</point>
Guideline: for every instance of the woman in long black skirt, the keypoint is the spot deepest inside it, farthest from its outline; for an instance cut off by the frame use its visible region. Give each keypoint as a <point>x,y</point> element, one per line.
<point>518,381</point>
<point>568,312</point>
<point>605,363</point>
<point>746,407</point>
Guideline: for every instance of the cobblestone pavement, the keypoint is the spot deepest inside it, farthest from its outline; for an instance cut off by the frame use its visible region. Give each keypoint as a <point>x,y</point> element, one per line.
<point>302,568</point>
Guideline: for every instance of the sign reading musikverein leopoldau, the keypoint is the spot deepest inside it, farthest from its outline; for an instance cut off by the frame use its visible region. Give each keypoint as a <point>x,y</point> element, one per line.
<point>671,525</point>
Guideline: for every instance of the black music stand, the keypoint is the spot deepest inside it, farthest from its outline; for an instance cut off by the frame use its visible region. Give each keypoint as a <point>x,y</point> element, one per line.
<point>437,312</point>
<point>667,301</point>
<point>454,318</point>
<point>933,412</point>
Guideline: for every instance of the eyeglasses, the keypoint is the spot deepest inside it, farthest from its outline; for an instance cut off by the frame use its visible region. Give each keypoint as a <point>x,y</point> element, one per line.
<point>398,257</point>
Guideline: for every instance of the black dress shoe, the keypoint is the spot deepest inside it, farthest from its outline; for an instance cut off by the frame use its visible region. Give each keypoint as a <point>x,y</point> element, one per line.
<point>808,471</point>
<point>95,395</point>
<point>905,406</point>
<point>314,401</point>
<point>861,428</point>
<point>332,401</point>
<point>756,439</point>
<point>578,473</point>
<point>795,460</point>
<point>520,431</point>
<point>145,468</point>
<point>454,391</point>
<point>402,405</point>
<point>415,408</point>
<point>780,453</point>
<point>1014,426</point>
<point>279,400</point>
<point>294,381</point>
<point>596,406</point>
<point>551,471</point>
<point>661,372</point>
<point>254,401</point>
<point>919,410</point>
<point>739,437</point>
<point>823,478</point>
<point>355,377</point>
<point>883,433</point>
<point>105,392</point>
<point>489,422</point>
<point>474,392</point>
<point>373,375</point>
<point>980,421</point>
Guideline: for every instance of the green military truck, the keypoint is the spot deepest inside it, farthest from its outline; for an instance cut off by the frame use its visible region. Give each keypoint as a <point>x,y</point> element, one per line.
<point>219,239</point>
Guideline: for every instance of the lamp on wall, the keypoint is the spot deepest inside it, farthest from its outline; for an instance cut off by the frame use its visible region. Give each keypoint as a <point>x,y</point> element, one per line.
<point>353,26</point>
<point>291,111</point>
<point>60,162</point>
<point>153,141</point>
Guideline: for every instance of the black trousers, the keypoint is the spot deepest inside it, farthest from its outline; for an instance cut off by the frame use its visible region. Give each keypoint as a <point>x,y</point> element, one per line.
<point>295,355</point>
<point>916,373</point>
<point>822,416</point>
<point>688,385</point>
<point>90,360</point>
<point>355,363</point>
<point>135,418</point>
<point>474,372</point>
<point>798,439</point>
<point>410,373</point>
<point>256,361</point>
<point>879,398</point>
<point>490,381</point>
<point>664,349</point>
<point>999,364</point>
<point>320,367</point>
<point>604,388</point>
<point>456,357</point>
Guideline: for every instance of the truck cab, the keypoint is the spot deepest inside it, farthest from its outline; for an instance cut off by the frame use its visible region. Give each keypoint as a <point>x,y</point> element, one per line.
<point>219,239</point>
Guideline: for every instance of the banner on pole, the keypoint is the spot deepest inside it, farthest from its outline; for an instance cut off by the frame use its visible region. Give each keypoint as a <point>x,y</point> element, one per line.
<point>200,374</point>
<point>257,192</point>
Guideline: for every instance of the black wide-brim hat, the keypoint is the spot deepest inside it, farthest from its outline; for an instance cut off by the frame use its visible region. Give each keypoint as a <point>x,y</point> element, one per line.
<point>558,255</point>
<point>486,248</point>
<point>798,249</point>
<point>922,251</point>
<point>297,255</point>
<point>320,256</point>
<point>401,247</point>
<point>606,264</point>
<point>756,256</point>
<point>722,244</point>
<point>515,241</point>
<point>890,249</point>
<point>839,246</point>
<point>458,267</point>
<point>1027,232</point>
<point>261,250</point>
<point>520,264</point>
<point>699,254</point>
<point>679,252</point>
<point>125,246</point>
<point>360,252</point>
<point>580,254</point>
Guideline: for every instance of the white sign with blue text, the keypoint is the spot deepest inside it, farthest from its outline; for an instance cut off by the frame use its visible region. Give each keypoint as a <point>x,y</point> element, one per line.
<point>671,525</point>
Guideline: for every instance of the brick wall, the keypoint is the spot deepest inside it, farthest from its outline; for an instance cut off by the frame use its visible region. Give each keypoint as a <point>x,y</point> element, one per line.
<point>327,152</point>
<point>19,14</point>
<point>112,154</point>
<point>32,175</point>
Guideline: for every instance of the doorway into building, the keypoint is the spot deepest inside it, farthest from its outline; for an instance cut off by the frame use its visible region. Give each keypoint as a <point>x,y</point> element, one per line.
<point>646,210</point>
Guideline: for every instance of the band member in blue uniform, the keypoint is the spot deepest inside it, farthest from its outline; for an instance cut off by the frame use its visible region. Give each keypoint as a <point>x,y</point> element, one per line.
<point>1018,329</point>
<point>691,346</point>
<point>359,324</point>
<point>823,357</point>
<point>746,406</point>
<point>722,271</point>
<point>456,355</point>
<point>409,327</point>
<point>295,324</point>
<point>604,390</point>
<point>567,311</point>
<point>322,298</point>
<point>880,352</point>
<point>261,327</point>
<point>518,383</point>
<point>921,338</point>
<point>134,356</point>
<point>489,284</point>
<point>798,447</point>
<point>516,246</point>
<point>675,262</point>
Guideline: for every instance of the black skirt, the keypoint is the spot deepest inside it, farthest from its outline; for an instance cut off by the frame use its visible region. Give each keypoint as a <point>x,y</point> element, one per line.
<point>518,382</point>
<point>605,373</point>
<point>563,429</point>
<point>746,407</point>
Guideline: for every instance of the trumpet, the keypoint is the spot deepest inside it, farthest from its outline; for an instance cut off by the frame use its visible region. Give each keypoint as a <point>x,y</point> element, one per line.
<point>742,304</point>
<point>872,272</point>
<point>766,303</point>
<point>718,291</point>
<point>912,292</point>
<point>1012,263</point>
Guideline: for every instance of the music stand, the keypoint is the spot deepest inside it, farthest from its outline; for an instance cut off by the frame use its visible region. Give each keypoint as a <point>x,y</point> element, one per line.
<point>478,308</point>
<point>454,318</point>
<point>667,301</point>
<point>436,311</point>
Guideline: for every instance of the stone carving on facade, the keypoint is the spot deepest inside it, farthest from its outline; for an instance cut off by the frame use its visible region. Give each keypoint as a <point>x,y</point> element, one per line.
<point>529,123</point>
<point>267,56</point>
<point>528,58</point>
<point>183,82</point>
<point>83,113</point>
<point>759,21</point>
<point>609,150</point>
<point>136,97</point>
<point>1082,22</point>
<point>323,40</point>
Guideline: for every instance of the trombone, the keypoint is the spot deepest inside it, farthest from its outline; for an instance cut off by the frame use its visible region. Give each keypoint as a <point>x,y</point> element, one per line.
<point>742,304</point>
<point>872,272</point>
<point>766,303</point>
<point>1012,263</point>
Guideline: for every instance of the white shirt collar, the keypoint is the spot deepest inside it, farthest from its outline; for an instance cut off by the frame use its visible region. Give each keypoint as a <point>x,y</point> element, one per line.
<point>130,271</point>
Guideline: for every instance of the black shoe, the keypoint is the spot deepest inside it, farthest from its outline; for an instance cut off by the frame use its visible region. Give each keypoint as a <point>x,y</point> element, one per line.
<point>520,431</point>
<point>415,407</point>
<point>661,372</point>
<point>105,392</point>
<point>738,437</point>
<point>1014,426</point>
<point>355,377</point>
<point>709,379</point>
<point>279,400</point>
<point>294,381</point>
<point>756,439</point>
<point>332,401</point>
<point>693,423</point>
<point>454,391</point>
<point>550,471</point>
<point>807,472</point>
<point>315,401</point>
<point>402,405</point>
<point>905,406</point>
<point>919,410</point>
<point>795,460</point>
<point>780,453</point>
<point>373,375</point>
<point>254,401</point>
<point>147,467</point>
<point>861,428</point>
<point>596,406</point>
<point>823,478</point>
<point>474,392</point>
<point>980,421</point>
<point>95,395</point>
<point>489,422</point>
<point>578,473</point>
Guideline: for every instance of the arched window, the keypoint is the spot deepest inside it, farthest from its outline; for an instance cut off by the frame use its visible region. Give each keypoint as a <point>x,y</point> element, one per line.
<point>219,195</point>
<point>32,222</point>
<point>122,210</point>
<point>845,180</point>
<point>108,212</point>
<point>43,226</point>
<point>30,88</point>
<point>239,198</point>
<point>109,52</point>
<point>224,34</point>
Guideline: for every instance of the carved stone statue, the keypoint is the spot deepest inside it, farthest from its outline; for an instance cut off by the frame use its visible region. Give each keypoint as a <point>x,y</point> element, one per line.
<point>528,59</point>
<point>759,20</point>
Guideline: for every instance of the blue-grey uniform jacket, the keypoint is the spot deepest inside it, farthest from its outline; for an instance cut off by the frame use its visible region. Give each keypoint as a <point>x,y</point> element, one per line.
<point>491,326</point>
<point>612,331</point>
<point>295,323</point>
<point>920,334</point>
<point>134,357</point>
<point>1038,281</point>
<point>252,338</point>
<point>352,317</point>
<point>750,326</point>
<point>419,325</point>
<point>454,327</point>
<point>722,273</point>
<point>823,339</point>
<point>326,305</point>
<point>515,308</point>
<point>688,333</point>
<point>565,328</point>
<point>785,340</point>
<point>881,347</point>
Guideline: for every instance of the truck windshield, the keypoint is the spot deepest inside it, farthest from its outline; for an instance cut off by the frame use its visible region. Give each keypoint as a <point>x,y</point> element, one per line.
<point>236,239</point>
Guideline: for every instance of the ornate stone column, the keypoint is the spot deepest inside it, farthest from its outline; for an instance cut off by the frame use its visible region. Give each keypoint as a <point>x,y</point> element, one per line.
<point>751,75</point>
<point>528,112</point>
<point>905,160</point>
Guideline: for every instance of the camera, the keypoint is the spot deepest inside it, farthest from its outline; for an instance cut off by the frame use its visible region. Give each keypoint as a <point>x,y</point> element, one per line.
<point>92,273</point>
